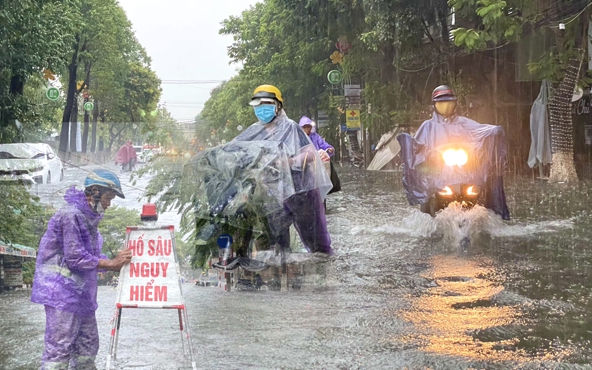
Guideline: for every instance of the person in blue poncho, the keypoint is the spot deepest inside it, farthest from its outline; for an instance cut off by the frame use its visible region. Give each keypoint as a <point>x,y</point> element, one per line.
<point>446,126</point>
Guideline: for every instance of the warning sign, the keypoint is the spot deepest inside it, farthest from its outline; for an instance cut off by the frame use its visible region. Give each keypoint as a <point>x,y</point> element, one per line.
<point>352,118</point>
<point>152,279</point>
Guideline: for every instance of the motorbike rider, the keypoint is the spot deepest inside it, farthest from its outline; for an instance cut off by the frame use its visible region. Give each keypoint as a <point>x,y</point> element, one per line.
<point>305,207</point>
<point>444,125</point>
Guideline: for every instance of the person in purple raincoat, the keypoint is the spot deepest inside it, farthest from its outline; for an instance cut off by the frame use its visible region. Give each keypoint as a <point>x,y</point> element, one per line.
<point>65,282</point>
<point>318,142</point>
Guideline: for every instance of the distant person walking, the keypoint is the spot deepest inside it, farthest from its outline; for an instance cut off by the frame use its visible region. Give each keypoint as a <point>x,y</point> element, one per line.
<point>126,156</point>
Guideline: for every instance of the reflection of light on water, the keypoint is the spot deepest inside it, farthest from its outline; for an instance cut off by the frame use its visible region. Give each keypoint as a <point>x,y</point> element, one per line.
<point>459,305</point>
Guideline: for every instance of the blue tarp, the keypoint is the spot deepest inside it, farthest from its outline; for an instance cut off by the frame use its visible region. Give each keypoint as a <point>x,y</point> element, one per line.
<point>424,172</point>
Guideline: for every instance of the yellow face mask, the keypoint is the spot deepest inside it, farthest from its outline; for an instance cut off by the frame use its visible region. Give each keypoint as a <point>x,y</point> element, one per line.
<point>445,108</point>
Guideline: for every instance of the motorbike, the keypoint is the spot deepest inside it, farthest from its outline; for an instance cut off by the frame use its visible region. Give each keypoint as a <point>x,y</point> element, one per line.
<point>455,164</point>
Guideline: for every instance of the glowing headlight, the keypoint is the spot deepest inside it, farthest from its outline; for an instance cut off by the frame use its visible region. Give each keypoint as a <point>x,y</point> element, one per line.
<point>455,157</point>
<point>446,192</point>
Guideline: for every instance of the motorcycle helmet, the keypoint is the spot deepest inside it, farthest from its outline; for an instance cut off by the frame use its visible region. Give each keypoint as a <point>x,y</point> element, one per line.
<point>443,93</point>
<point>266,93</point>
<point>104,180</point>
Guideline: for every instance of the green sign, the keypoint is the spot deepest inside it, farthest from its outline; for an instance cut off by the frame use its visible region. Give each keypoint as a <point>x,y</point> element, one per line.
<point>334,77</point>
<point>88,106</point>
<point>52,93</point>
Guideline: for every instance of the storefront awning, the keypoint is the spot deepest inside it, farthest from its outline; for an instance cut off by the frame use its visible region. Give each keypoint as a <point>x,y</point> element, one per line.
<point>17,250</point>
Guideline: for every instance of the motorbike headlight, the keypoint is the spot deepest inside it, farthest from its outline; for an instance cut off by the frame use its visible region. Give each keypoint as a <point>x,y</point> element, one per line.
<point>446,192</point>
<point>455,157</point>
<point>473,191</point>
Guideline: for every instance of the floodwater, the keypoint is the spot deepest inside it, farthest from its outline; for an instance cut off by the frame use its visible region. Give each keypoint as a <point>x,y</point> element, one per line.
<point>398,295</point>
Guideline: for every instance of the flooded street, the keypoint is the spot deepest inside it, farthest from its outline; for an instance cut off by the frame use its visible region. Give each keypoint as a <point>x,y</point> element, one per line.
<point>398,294</point>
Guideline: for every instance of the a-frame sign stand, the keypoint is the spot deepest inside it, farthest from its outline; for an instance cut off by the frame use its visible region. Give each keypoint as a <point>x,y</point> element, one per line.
<point>151,280</point>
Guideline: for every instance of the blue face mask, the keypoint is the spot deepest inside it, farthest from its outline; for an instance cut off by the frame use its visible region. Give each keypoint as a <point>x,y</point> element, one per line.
<point>265,112</point>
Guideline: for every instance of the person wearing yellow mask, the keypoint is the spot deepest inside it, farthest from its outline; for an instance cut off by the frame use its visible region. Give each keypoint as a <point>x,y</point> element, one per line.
<point>444,127</point>
<point>444,100</point>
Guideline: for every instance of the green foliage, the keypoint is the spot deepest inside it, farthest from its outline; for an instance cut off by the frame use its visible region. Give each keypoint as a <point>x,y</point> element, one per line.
<point>34,35</point>
<point>113,228</point>
<point>498,21</point>
<point>18,209</point>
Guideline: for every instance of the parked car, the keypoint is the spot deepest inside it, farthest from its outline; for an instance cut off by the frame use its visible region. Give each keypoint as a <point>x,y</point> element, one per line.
<point>33,163</point>
<point>139,153</point>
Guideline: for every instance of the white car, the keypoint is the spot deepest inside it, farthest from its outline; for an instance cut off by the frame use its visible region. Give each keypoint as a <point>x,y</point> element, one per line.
<point>139,153</point>
<point>33,163</point>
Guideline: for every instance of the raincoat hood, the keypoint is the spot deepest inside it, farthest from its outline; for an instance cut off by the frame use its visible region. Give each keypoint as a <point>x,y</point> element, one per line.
<point>78,199</point>
<point>305,121</point>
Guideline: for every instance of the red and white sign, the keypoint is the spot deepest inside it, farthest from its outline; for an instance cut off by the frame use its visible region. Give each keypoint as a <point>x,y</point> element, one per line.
<point>152,279</point>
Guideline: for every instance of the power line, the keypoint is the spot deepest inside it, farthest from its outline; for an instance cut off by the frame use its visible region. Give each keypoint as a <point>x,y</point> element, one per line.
<point>190,82</point>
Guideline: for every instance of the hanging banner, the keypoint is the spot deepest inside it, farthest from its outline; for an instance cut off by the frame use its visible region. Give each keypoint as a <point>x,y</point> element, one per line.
<point>152,278</point>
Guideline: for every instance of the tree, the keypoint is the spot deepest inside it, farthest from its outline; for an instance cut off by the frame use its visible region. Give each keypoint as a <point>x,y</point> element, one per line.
<point>34,36</point>
<point>113,228</point>
<point>504,21</point>
<point>108,63</point>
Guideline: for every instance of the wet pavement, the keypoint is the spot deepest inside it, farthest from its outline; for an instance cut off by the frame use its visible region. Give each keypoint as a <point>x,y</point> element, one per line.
<point>398,294</point>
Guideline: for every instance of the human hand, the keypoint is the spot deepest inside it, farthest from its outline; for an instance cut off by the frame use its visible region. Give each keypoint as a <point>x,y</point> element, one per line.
<point>123,258</point>
<point>324,155</point>
<point>330,150</point>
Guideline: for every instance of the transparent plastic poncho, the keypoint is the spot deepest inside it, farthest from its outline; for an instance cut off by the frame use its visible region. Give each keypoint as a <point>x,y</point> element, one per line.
<point>240,183</point>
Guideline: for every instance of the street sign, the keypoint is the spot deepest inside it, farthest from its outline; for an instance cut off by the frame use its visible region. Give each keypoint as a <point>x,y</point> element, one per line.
<point>352,100</point>
<point>351,90</point>
<point>88,106</point>
<point>352,118</point>
<point>224,241</point>
<point>334,77</point>
<point>52,93</point>
<point>323,118</point>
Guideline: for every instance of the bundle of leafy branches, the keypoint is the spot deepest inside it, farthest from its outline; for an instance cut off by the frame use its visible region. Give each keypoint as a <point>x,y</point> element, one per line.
<point>228,189</point>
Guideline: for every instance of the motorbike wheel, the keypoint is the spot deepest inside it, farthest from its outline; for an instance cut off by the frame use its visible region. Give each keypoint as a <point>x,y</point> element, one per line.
<point>465,244</point>
<point>432,207</point>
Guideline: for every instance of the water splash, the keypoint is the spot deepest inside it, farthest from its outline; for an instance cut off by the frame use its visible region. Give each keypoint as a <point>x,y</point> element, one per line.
<point>457,224</point>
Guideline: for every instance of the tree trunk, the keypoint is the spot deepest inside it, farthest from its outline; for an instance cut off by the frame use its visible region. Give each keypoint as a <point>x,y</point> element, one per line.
<point>86,113</point>
<point>93,142</point>
<point>72,68</point>
<point>74,124</point>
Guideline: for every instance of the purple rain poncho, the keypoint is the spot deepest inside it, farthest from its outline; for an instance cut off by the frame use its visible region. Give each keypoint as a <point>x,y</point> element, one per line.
<point>421,180</point>
<point>68,258</point>
<point>316,139</point>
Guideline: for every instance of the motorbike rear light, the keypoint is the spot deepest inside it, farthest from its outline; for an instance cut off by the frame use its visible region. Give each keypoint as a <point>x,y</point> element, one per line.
<point>446,192</point>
